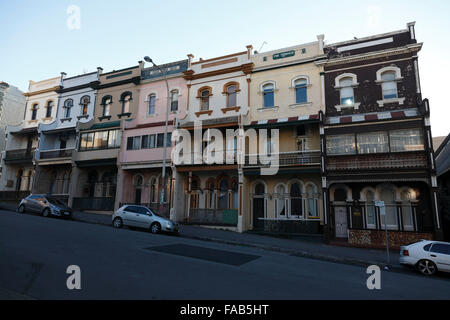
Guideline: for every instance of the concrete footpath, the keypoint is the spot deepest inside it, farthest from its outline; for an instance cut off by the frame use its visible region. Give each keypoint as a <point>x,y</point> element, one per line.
<point>312,248</point>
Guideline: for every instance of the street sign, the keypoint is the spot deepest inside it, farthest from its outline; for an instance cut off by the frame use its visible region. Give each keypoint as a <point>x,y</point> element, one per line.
<point>283,55</point>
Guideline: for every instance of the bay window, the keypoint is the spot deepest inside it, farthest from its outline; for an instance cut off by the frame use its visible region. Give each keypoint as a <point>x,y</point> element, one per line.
<point>373,142</point>
<point>407,140</point>
<point>100,140</point>
<point>341,144</point>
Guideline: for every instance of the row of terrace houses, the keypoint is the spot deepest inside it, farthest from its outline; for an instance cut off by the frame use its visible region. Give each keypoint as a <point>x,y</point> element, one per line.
<point>347,125</point>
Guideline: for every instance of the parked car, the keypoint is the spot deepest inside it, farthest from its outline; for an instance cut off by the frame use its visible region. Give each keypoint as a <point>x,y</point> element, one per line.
<point>428,257</point>
<point>142,217</point>
<point>45,205</point>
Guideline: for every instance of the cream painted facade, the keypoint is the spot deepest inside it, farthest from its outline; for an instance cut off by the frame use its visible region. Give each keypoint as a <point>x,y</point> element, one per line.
<point>18,162</point>
<point>290,201</point>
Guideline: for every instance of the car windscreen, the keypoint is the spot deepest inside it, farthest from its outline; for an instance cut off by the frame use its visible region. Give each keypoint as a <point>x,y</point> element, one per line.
<point>55,202</point>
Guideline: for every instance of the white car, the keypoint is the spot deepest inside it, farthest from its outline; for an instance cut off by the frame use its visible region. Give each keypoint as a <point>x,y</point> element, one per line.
<point>142,217</point>
<point>428,257</point>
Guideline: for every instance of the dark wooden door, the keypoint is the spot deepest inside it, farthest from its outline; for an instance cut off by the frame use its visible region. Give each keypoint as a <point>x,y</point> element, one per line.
<point>258,212</point>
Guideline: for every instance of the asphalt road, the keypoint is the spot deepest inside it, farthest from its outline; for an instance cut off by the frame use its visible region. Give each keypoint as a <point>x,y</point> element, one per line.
<point>123,264</point>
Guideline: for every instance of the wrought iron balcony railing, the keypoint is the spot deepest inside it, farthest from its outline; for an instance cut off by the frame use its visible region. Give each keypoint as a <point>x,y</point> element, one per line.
<point>406,160</point>
<point>55,154</point>
<point>295,158</point>
<point>22,155</point>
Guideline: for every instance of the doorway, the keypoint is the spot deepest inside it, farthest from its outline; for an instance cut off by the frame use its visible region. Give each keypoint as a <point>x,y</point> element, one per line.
<point>340,217</point>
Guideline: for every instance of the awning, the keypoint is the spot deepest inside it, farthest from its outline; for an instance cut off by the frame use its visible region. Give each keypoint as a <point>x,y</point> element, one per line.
<point>104,125</point>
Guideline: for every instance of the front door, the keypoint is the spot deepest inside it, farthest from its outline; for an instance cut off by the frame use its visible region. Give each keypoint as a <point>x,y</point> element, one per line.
<point>340,217</point>
<point>258,212</point>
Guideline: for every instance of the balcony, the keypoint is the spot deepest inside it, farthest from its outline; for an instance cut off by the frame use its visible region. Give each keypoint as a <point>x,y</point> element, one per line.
<point>295,158</point>
<point>55,154</point>
<point>19,156</point>
<point>406,160</point>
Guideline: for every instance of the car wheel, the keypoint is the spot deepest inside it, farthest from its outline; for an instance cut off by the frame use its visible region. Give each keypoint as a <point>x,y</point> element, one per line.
<point>117,223</point>
<point>155,228</point>
<point>21,209</point>
<point>426,267</point>
<point>45,213</point>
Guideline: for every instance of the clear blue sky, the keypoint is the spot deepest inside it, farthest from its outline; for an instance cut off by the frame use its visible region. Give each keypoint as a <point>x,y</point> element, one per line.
<point>36,44</point>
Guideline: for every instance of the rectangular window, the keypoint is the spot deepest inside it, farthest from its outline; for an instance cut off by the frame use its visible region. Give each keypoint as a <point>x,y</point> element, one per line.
<point>407,140</point>
<point>152,141</point>
<point>144,142</point>
<point>341,144</point>
<point>373,142</point>
<point>130,143</point>
<point>136,143</point>
<point>100,140</point>
<point>269,99</point>
<point>169,139</point>
<point>160,140</point>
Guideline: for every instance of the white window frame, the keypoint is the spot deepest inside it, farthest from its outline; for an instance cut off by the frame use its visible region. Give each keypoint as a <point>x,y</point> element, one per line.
<point>380,81</point>
<point>337,86</point>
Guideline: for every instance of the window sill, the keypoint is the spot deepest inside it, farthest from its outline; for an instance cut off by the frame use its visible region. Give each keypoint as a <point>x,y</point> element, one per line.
<point>47,119</point>
<point>104,118</point>
<point>66,119</point>
<point>83,117</point>
<point>236,109</point>
<point>347,106</point>
<point>400,101</point>
<point>123,115</point>
<point>274,108</point>
<point>32,121</point>
<point>299,105</point>
<point>200,113</point>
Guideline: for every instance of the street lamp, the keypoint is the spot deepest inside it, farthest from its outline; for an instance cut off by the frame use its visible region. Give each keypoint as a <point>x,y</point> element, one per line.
<point>163,176</point>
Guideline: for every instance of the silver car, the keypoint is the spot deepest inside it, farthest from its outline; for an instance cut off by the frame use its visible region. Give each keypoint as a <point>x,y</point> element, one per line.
<point>142,217</point>
<point>45,205</point>
<point>428,257</point>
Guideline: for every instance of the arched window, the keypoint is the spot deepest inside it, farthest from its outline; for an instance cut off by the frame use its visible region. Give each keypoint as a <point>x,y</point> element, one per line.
<point>48,113</point>
<point>34,110</point>
<point>106,103</point>
<point>370,209</point>
<point>296,200</point>
<point>407,211</point>
<point>126,98</point>
<point>223,194</point>
<point>301,86</point>
<point>346,90</point>
<point>259,189</point>
<point>312,201</point>
<point>387,194</point>
<point>231,96</point>
<point>174,100</point>
<point>153,191</point>
<point>204,100</point>
<point>151,104</point>
<point>68,104</point>
<point>389,85</point>
<point>84,103</point>
<point>280,201</point>
<point>235,194</point>
<point>269,93</point>
<point>210,195</point>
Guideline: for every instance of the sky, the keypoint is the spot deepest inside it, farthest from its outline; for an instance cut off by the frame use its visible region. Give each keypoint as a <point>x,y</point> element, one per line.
<point>40,39</point>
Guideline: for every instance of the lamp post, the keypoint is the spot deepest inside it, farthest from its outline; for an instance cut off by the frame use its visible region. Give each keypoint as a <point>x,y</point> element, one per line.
<point>163,176</point>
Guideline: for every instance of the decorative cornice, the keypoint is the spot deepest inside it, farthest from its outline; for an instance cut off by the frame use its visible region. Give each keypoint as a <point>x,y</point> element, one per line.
<point>245,68</point>
<point>371,55</point>
<point>33,93</point>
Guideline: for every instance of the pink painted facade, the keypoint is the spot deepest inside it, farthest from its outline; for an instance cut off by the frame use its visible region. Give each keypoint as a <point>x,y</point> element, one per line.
<point>140,168</point>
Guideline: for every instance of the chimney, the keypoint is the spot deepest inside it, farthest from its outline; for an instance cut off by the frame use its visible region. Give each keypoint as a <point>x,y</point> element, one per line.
<point>411,29</point>
<point>99,71</point>
<point>249,50</point>
<point>141,64</point>
<point>321,37</point>
<point>190,57</point>
<point>63,76</point>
